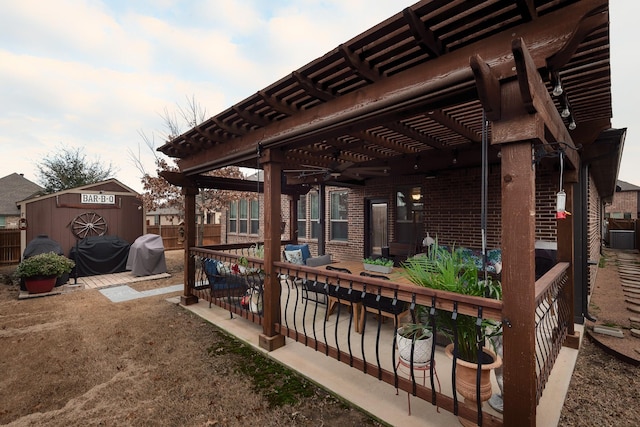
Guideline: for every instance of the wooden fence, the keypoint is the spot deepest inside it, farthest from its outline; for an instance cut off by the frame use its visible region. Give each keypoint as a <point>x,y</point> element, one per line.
<point>209,234</point>
<point>9,246</point>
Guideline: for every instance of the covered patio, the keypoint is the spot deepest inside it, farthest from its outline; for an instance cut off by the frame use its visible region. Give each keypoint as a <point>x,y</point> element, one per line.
<point>484,108</point>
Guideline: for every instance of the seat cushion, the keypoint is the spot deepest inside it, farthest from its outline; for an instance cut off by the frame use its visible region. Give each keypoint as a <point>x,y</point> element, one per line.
<point>306,253</point>
<point>319,260</point>
<point>294,256</point>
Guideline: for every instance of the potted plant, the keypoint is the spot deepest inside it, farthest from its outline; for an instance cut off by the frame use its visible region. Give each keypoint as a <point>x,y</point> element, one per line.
<point>414,343</point>
<point>449,271</point>
<point>379,265</point>
<point>41,271</point>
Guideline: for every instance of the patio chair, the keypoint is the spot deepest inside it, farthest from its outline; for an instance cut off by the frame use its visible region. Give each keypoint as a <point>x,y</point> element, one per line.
<point>311,286</point>
<point>222,285</point>
<point>342,296</point>
<point>384,307</point>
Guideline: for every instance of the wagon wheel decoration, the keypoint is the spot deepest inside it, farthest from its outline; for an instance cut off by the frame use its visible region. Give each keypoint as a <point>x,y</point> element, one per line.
<point>88,224</point>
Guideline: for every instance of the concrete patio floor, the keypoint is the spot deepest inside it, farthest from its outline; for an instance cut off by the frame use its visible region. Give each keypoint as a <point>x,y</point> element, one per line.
<point>371,395</point>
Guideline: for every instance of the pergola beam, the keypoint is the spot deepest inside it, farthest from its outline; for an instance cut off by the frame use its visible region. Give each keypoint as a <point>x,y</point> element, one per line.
<point>432,83</point>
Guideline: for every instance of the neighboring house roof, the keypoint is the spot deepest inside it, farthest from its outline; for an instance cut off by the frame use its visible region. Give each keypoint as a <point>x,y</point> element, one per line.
<point>625,186</point>
<point>15,188</point>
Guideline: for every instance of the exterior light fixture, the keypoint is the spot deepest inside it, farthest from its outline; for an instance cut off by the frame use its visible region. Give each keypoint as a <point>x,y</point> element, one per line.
<point>572,124</point>
<point>565,112</point>
<point>557,89</point>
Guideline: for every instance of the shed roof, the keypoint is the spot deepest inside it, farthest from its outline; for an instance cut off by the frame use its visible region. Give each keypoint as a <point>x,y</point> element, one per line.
<point>404,93</point>
<point>109,185</point>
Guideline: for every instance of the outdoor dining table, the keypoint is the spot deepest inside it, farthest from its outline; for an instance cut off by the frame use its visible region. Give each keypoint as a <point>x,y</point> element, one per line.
<point>357,267</point>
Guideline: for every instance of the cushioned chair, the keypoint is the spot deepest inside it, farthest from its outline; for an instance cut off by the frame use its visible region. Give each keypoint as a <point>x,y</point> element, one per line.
<point>310,286</point>
<point>222,285</point>
<point>384,307</point>
<point>342,296</point>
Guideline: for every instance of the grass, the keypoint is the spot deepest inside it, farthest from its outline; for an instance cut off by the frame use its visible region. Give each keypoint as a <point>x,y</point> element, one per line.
<point>279,385</point>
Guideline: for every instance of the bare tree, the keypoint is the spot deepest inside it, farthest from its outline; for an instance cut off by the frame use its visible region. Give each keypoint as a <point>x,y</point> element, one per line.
<point>158,193</point>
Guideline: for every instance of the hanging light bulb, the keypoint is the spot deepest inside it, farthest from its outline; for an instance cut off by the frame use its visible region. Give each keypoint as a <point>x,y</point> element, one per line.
<point>557,89</point>
<point>572,124</point>
<point>565,112</point>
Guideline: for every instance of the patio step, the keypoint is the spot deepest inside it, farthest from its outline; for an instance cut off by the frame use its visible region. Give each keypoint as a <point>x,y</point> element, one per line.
<point>607,330</point>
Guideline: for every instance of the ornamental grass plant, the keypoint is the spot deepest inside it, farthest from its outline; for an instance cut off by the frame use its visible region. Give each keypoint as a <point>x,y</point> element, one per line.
<point>446,270</point>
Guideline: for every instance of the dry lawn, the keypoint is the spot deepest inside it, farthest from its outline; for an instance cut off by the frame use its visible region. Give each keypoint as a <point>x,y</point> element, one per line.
<point>79,359</point>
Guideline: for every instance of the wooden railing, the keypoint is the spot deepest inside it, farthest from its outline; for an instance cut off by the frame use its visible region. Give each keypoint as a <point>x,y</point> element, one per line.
<point>372,349</point>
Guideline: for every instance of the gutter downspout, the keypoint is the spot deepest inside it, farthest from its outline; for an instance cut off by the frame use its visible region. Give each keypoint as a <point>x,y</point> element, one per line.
<point>582,257</point>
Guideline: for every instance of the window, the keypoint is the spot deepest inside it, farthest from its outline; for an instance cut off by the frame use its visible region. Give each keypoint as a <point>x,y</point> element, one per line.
<point>408,214</point>
<point>315,215</point>
<point>339,216</point>
<point>302,217</point>
<point>243,215</point>
<point>233,217</point>
<point>255,216</point>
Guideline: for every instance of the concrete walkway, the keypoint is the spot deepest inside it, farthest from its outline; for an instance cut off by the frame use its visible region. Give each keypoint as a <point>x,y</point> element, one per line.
<point>367,393</point>
<point>617,329</point>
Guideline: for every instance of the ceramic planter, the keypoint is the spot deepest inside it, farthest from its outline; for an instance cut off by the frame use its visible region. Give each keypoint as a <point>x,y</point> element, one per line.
<point>378,268</point>
<point>421,349</point>
<point>39,284</point>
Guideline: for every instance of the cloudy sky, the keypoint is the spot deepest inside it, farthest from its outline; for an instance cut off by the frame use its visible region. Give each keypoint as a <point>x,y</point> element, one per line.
<point>95,74</point>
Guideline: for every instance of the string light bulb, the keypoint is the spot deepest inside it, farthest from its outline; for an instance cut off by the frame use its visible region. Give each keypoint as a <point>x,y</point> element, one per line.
<point>557,89</point>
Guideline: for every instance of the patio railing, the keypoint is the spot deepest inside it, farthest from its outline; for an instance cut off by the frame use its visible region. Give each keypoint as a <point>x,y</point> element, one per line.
<point>370,346</point>
<point>372,349</point>
<point>553,317</point>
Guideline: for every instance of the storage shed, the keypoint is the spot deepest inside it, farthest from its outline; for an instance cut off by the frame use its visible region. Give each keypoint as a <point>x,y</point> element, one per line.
<point>107,208</point>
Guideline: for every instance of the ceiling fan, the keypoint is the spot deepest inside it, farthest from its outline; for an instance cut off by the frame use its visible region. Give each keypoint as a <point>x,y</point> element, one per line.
<point>338,170</point>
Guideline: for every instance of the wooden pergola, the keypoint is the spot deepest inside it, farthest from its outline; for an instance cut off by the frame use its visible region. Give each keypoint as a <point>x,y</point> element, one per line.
<point>414,90</point>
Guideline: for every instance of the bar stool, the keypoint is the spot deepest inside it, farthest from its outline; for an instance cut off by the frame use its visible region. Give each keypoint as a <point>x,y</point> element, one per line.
<point>405,367</point>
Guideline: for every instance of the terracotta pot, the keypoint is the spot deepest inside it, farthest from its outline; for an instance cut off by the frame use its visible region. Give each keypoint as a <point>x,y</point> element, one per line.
<point>466,374</point>
<point>40,285</point>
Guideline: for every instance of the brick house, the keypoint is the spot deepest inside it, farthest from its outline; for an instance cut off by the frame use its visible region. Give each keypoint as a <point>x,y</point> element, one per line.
<point>14,188</point>
<point>626,203</point>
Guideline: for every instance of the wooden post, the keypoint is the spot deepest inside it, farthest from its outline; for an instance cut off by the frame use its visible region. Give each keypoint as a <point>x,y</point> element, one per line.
<point>271,160</point>
<point>293,217</point>
<point>189,241</point>
<point>566,239</point>
<point>518,284</point>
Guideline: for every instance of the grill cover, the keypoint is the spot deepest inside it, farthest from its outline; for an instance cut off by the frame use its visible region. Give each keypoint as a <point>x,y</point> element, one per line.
<point>100,255</point>
<point>146,256</point>
<point>42,244</point>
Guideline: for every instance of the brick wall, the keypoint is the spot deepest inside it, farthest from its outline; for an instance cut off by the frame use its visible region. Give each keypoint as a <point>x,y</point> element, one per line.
<point>594,230</point>
<point>452,203</point>
<point>624,202</point>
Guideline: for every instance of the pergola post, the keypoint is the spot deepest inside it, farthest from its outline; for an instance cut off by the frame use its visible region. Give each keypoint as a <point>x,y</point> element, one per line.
<point>271,160</point>
<point>190,231</point>
<point>518,284</point>
<point>566,240</point>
